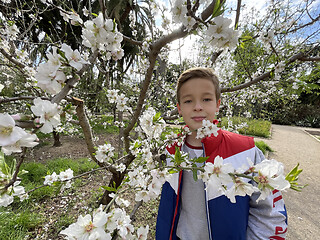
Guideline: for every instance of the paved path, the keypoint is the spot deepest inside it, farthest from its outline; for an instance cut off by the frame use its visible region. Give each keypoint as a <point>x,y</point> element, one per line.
<point>292,145</point>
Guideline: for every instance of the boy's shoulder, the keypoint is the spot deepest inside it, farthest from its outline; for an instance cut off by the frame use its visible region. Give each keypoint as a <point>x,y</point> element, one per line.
<point>227,143</point>
<point>229,138</point>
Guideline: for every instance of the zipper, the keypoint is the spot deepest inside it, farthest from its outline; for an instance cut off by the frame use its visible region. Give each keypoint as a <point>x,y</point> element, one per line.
<point>206,203</point>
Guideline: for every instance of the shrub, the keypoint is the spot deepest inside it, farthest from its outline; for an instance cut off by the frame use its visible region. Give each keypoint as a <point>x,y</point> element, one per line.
<point>263,146</point>
<point>255,127</point>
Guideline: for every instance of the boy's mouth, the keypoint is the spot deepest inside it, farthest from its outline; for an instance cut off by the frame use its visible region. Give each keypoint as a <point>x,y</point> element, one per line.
<point>198,118</point>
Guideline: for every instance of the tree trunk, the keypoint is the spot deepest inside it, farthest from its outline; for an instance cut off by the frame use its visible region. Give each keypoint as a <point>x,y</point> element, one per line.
<point>56,138</point>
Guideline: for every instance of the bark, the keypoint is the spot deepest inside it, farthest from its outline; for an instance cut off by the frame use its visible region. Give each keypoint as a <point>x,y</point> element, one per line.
<point>56,138</point>
<point>86,128</point>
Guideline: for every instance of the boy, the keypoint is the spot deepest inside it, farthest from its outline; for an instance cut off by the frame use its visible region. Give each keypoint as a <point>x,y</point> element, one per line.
<point>188,210</point>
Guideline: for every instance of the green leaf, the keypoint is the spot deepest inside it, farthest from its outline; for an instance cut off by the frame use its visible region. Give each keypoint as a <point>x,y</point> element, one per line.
<point>171,171</point>
<point>293,176</point>
<point>157,117</point>
<point>195,172</point>
<point>216,8</point>
<point>13,166</point>
<point>58,188</point>
<point>201,159</point>
<point>110,189</point>
<point>2,162</point>
<point>5,169</point>
<point>22,172</point>
<point>177,157</point>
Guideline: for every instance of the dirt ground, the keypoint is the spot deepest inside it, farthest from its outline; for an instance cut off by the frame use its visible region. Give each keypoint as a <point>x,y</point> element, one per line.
<point>72,147</point>
<point>294,145</point>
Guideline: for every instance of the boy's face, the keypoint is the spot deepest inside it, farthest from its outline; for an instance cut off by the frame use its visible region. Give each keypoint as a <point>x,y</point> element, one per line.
<point>198,102</point>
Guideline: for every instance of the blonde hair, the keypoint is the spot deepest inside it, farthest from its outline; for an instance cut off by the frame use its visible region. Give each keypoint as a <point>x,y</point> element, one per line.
<point>198,72</point>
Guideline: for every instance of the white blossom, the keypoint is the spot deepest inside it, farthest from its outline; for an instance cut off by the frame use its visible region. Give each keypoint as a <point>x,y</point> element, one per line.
<point>240,188</point>
<point>72,16</point>
<point>208,128</point>
<point>121,167</point>
<point>66,175</point>
<point>151,128</point>
<point>49,179</point>
<point>74,58</point>
<point>268,37</point>
<point>5,200</point>
<point>270,176</point>
<point>104,152</point>
<point>9,133</point>
<point>103,35</point>
<point>217,174</point>
<point>27,140</point>
<point>220,35</point>
<point>142,233</point>
<point>88,227</point>
<point>48,112</point>
<point>48,76</point>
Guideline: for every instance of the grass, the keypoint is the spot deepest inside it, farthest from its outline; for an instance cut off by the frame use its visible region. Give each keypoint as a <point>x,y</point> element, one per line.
<point>104,124</point>
<point>256,127</point>
<point>263,146</point>
<point>19,220</point>
<point>16,225</point>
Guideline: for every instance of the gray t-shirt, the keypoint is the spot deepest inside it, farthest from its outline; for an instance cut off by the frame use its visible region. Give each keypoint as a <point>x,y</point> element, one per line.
<point>193,223</point>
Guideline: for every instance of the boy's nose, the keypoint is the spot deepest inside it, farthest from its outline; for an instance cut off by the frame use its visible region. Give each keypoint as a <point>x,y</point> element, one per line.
<point>198,106</point>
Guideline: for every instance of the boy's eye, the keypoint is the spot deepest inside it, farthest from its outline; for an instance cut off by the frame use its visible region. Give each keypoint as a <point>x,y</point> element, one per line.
<point>207,99</point>
<point>187,101</point>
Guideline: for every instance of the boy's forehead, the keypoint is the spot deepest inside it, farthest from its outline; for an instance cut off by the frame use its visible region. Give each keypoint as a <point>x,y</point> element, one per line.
<point>203,85</point>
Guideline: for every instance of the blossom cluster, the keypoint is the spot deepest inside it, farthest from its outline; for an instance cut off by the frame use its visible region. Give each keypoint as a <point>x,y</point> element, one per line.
<point>101,225</point>
<point>152,125</point>
<point>102,34</point>
<point>208,128</point>
<point>148,184</point>
<point>220,35</point>
<point>48,114</point>
<point>50,75</point>
<point>179,14</point>
<point>7,196</point>
<point>120,99</point>
<point>64,176</point>
<point>12,137</point>
<point>71,16</point>
<point>225,179</point>
<point>104,152</point>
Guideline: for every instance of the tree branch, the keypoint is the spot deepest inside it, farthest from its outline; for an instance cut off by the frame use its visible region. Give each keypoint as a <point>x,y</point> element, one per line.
<point>11,59</point>
<point>71,82</point>
<point>130,40</point>
<point>237,14</point>
<point>86,128</point>
<point>305,25</point>
<point>13,99</point>
<point>299,56</point>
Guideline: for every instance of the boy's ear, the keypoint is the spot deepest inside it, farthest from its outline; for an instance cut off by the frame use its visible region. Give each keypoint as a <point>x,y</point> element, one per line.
<point>218,104</point>
<point>179,108</point>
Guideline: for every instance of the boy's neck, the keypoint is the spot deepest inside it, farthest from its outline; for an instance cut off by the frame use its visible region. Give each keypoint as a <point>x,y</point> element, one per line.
<point>193,141</point>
